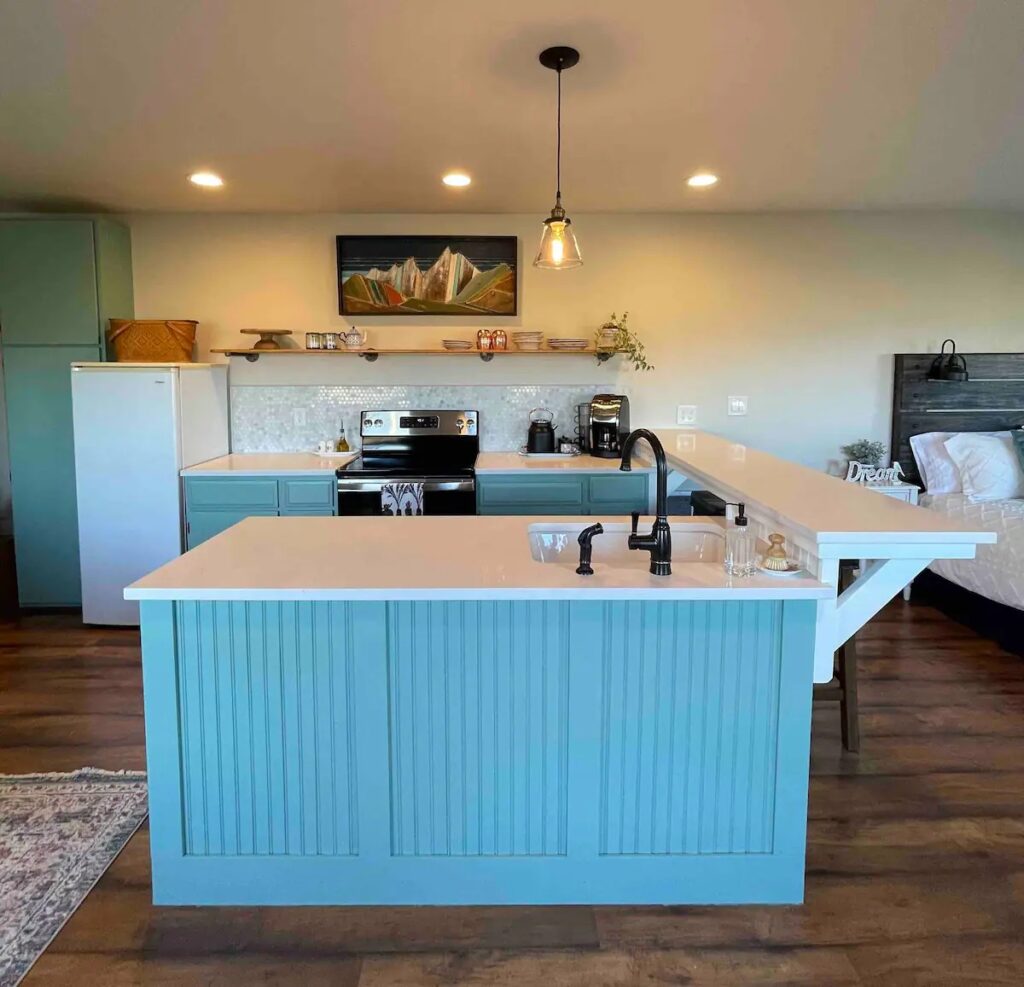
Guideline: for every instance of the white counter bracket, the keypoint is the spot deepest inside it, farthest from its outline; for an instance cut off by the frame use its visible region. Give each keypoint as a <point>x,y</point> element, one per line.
<point>897,554</point>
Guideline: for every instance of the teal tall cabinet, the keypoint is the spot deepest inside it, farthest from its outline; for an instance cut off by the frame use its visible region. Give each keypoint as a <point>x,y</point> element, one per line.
<point>60,281</point>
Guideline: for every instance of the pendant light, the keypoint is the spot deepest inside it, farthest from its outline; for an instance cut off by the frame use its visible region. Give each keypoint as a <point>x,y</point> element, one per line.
<point>558,246</point>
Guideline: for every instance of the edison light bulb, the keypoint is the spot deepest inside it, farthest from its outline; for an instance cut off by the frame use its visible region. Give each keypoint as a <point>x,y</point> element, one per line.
<point>557,242</point>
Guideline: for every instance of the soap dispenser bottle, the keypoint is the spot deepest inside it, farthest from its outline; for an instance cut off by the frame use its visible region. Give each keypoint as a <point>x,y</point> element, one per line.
<point>739,544</point>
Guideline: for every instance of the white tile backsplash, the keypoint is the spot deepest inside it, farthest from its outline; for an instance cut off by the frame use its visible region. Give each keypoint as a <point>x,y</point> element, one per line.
<point>263,418</point>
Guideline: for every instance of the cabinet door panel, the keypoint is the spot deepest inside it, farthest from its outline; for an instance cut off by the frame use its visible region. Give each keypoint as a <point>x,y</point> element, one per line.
<point>48,282</point>
<point>567,492</point>
<point>228,492</point>
<point>201,525</point>
<point>308,495</point>
<point>37,381</point>
<point>618,488</point>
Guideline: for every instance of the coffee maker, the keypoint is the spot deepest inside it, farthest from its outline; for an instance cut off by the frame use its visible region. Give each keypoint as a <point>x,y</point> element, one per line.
<point>609,425</point>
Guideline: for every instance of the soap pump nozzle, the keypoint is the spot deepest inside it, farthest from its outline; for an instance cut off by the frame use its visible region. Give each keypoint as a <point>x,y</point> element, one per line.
<point>740,519</point>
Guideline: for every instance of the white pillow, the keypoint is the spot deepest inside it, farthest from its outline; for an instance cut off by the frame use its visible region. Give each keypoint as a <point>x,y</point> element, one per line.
<point>988,464</point>
<point>938,471</point>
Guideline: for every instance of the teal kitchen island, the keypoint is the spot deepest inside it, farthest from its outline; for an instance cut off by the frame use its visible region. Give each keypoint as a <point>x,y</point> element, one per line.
<point>439,710</point>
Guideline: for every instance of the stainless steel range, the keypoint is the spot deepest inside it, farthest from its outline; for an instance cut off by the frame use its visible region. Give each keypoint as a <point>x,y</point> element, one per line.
<point>435,448</point>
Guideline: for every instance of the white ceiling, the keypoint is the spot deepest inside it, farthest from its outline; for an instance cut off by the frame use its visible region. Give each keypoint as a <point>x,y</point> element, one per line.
<point>337,105</point>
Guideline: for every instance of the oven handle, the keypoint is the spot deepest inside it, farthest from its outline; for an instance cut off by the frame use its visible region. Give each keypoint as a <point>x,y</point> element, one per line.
<point>356,485</point>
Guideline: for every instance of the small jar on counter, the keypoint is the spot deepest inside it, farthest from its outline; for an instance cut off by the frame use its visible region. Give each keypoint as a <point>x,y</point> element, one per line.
<point>314,341</point>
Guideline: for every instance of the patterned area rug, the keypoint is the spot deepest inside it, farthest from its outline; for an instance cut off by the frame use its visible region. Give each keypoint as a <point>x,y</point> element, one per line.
<point>58,834</point>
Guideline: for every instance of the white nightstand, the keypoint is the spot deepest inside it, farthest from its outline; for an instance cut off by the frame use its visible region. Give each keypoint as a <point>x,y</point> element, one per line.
<point>900,491</point>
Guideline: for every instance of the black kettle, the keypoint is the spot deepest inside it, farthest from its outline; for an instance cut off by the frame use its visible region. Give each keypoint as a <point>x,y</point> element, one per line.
<point>541,437</point>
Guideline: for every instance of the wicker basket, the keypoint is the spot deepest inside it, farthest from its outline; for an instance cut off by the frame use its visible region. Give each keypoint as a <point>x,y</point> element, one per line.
<point>151,340</point>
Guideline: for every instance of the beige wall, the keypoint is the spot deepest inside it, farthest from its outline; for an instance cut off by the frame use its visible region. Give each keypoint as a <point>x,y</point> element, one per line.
<point>800,312</point>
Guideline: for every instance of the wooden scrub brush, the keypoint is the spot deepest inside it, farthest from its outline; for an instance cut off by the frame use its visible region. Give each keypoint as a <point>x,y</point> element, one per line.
<point>775,558</point>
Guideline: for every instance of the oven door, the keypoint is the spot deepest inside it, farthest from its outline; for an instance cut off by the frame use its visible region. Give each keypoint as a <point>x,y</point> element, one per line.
<point>360,495</point>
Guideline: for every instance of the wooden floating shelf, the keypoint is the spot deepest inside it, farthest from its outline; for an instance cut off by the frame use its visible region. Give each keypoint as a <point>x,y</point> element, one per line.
<point>370,355</point>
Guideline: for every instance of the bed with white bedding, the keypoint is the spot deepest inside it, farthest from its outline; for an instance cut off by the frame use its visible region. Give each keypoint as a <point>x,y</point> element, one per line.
<point>961,439</point>
<point>997,573</point>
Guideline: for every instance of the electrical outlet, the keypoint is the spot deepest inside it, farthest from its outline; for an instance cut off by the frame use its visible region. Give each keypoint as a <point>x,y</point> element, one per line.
<point>737,404</point>
<point>686,414</point>
<point>299,416</point>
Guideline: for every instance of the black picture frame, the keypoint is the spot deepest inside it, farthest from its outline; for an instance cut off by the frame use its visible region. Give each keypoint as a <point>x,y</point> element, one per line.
<point>475,272</point>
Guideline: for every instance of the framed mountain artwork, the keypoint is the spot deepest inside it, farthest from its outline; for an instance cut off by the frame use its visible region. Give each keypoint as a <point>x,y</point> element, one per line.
<point>427,275</point>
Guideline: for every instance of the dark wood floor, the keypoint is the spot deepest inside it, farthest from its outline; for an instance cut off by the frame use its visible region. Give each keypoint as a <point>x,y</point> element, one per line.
<point>915,864</point>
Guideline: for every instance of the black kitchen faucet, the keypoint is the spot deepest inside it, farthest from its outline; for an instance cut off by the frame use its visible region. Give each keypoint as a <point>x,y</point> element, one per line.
<point>659,541</point>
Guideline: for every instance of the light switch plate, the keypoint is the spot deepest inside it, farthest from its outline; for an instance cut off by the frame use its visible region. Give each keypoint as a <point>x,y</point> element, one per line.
<point>299,416</point>
<point>737,404</point>
<point>686,414</point>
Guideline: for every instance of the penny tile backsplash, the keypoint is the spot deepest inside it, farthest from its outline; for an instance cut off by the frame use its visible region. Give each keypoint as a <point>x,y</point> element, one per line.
<point>294,418</point>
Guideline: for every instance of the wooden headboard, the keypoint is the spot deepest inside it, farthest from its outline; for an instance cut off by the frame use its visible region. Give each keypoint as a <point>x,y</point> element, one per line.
<point>992,400</point>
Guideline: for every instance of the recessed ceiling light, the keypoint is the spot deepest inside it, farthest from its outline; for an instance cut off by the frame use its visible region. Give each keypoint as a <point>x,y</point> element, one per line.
<point>457,179</point>
<point>207,179</point>
<point>702,180</point>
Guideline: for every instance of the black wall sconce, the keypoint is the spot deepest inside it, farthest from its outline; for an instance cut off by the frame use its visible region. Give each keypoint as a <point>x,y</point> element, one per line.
<point>948,366</point>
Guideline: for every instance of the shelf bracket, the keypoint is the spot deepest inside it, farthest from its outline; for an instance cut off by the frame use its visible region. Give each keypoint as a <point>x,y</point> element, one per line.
<point>486,357</point>
<point>251,357</point>
<point>370,357</point>
<point>603,356</point>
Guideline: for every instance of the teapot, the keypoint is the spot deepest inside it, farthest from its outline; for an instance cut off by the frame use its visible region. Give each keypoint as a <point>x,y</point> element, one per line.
<point>355,339</point>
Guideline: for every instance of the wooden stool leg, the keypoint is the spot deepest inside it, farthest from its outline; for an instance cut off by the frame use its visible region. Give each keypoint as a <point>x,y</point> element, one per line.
<point>848,707</point>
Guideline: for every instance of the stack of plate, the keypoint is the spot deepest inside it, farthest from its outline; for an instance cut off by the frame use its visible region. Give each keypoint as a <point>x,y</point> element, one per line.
<point>568,343</point>
<point>456,344</point>
<point>527,340</point>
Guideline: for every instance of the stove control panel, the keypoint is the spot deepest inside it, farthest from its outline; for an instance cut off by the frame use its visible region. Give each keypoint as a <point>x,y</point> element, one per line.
<point>384,424</point>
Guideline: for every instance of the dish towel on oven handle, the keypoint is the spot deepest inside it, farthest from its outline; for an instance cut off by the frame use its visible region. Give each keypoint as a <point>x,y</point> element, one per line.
<point>401,499</point>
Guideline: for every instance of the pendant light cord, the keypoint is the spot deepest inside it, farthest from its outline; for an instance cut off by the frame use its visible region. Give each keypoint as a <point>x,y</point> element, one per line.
<point>558,142</point>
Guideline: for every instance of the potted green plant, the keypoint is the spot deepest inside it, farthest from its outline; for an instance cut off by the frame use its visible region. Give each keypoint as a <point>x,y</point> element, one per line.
<point>616,336</point>
<point>864,451</point>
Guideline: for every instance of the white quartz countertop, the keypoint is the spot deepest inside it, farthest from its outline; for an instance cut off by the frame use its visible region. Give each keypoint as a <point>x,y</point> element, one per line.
<point>310,464</point>
<point>513,462</point>
<point>270,463</point>
<point>823,508</point>
<point>428,558</point>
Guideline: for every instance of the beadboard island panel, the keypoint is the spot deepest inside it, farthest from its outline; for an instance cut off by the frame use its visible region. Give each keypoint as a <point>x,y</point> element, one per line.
<point>477,752</point>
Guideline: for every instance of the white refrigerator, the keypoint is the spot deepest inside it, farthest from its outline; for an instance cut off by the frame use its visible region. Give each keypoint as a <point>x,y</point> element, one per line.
<point>136,427</point>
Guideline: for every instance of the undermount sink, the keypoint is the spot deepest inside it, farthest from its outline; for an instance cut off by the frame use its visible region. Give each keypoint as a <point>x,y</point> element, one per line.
<point>698,541</point>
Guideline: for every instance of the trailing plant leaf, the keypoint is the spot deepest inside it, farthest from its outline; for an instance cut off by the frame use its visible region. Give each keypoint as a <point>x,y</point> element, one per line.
<point>626,342</point>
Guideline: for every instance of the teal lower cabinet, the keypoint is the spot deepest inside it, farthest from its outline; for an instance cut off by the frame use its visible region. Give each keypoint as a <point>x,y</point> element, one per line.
<point>477,752</point>
<point>215,503</point>
<point>201,525</point>
<point>567,492</point>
